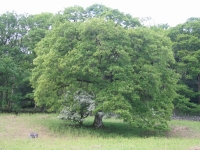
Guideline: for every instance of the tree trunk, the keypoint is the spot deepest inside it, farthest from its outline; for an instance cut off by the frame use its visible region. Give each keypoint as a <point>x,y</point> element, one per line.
<point>42,108</point>
<point>98,120</point>
<point>80,123</point>
<point>199,91</point>
<point>198,83</point>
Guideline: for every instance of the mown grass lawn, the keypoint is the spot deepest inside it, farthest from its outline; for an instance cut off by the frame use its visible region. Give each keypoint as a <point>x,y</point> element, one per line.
<point>55,134</point>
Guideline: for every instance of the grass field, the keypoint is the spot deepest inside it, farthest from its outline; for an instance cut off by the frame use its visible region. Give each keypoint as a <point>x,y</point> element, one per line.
<point>55,134</point>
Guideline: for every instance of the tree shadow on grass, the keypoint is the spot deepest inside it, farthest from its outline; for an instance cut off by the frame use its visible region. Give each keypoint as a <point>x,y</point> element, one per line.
<point>112,129</point>
<point>121,129</point>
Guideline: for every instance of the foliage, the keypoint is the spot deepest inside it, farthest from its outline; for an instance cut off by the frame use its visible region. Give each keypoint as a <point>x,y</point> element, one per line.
<point>38,26</point>
<point>13,68</point>
<point>101,11</point>
<point>186,47</point>
<point>154,87</point>
<point>18,36</point>
<point>78,14</point>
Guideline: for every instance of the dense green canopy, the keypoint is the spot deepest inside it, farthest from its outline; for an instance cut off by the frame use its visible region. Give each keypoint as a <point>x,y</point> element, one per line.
<point>127,70</point>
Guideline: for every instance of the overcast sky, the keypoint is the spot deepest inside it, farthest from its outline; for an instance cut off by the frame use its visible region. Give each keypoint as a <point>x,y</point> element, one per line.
<point>172,12</point>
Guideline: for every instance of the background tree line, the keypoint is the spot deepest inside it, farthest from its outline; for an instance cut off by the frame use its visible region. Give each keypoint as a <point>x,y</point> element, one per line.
<point>142,73</point>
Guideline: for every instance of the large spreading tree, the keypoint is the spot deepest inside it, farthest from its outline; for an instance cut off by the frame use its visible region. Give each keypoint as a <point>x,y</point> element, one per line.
<point>126,70</point>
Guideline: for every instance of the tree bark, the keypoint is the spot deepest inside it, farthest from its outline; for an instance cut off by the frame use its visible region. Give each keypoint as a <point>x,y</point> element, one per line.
<point>98,123</point>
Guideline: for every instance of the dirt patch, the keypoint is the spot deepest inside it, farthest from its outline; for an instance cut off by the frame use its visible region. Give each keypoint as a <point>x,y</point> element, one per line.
<point>19,127</point>
<point>182,131</point>
<point>96,147</point>
<point>195,148</point>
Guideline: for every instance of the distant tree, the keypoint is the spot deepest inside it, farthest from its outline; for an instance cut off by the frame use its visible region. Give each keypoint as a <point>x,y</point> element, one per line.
<point>163,26</point>
<point>38,25</point>
<point>13,59</point>
<point>101,11</point>
<point>72,14</point>
<point>19,35</point>
<point>186,47</point>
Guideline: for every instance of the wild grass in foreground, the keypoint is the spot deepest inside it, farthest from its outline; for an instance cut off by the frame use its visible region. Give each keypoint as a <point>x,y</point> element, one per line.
<point>55,134</point>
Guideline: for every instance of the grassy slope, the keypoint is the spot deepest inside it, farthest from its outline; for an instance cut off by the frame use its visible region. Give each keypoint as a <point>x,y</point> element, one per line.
<point>56,134</point>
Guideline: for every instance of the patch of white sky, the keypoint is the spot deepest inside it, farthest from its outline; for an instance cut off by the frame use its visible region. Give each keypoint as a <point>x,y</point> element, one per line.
<point>172,12</point>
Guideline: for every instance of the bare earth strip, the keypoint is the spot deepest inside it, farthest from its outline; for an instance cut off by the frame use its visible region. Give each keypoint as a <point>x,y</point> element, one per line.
<point>12,126</point>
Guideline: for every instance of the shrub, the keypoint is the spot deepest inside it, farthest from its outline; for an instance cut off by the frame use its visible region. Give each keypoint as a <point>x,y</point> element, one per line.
<point>77,106</point>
